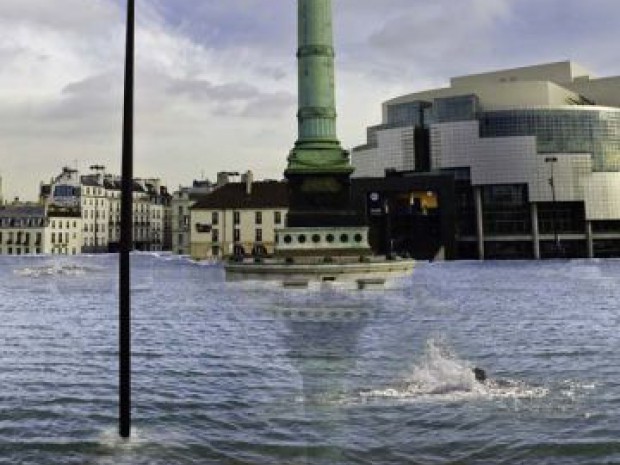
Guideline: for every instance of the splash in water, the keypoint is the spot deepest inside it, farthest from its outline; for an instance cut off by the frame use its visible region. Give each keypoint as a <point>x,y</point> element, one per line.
<point>440,375</point>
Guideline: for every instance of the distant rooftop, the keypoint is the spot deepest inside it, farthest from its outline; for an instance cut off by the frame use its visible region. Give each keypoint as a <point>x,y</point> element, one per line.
<point>562,72</point>
<point>22,211</point>
<point>264,194</point>
<point>563,83</point>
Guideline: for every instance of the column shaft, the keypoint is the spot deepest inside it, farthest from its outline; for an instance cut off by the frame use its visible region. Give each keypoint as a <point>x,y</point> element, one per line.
<point>317,108</point>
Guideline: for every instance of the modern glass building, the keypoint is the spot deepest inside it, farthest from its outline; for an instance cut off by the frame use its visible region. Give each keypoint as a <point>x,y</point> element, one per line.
<point>534,152</point>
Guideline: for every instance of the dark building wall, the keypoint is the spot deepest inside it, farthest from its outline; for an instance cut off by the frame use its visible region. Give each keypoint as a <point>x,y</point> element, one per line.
<point>405,227</point>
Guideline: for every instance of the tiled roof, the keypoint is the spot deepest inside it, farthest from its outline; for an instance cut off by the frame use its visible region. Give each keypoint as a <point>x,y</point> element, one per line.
<point>266,194</point>
<point>90,181</point>
<point>22,211</point>
<point>112,185</point>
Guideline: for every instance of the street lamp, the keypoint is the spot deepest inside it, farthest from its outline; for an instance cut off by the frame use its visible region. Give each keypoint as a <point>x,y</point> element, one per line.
<point>552,161</point>
<point>126,238</point>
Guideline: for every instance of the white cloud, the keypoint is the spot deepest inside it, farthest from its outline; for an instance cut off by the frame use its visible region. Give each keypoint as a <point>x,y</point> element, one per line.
<point>215,84</point>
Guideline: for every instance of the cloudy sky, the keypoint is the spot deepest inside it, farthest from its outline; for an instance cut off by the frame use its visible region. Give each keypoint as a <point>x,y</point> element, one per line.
<point>216,82</point>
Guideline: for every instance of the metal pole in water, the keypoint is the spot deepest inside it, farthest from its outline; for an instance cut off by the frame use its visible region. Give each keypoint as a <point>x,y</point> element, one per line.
<point>126,240</point>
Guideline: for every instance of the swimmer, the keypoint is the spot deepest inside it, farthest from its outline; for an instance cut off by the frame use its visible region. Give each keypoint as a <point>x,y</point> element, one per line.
<point>480,374</point>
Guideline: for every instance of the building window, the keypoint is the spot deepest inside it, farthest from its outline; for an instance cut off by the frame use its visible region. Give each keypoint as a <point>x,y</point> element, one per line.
<point>236,218</point>
<point>259,235</point>
<point>180,239</point>
<point>259,217</point>
<point>53,238</point>
<point>215,235</point>
<point>237,235</point>
<point>215,217</point>
<point>277,217</point>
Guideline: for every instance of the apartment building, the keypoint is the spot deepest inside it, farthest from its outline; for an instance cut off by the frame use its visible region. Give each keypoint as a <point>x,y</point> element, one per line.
<point>238,218</point>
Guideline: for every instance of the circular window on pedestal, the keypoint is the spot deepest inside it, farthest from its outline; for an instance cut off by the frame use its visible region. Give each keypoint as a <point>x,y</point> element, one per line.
<point>329,238</point>
<point>288,239</point>
<point>344,238</point>
<point>316,238</point>
<point>302,238</point>
<point>358,238</point>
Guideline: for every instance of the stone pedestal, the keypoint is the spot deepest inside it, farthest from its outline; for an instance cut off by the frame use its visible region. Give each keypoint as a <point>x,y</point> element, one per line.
<point>322,242</point>
<point>320,200</point>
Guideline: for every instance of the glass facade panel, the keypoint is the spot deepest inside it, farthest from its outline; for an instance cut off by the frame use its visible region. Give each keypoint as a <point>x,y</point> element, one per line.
<point>410,113</point>
<point>506,209</point>
<point>592,131</point>
<point>452,109</point>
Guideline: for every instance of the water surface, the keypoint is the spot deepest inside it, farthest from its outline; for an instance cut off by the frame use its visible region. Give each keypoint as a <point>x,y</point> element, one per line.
<point>253,374</point>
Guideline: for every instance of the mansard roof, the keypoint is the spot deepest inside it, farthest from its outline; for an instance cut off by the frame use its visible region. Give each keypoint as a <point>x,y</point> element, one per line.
<point>22,211</point>
<point>264,194</point>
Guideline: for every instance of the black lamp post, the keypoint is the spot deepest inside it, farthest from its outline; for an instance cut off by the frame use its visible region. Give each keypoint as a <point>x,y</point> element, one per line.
<point>126,238</point>
<point>556,236</point>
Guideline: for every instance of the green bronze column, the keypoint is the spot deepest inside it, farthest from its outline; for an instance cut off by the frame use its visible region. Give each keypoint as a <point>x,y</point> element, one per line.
<point>317,147</point>
<point>318,168</point>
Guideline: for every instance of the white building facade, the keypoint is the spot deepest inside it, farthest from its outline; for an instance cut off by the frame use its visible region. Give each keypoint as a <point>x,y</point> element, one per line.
<point>535,153</point>
<point>24,230</point>
<point>238,219</point>
<point>180,211</point>
<point>97,200</point>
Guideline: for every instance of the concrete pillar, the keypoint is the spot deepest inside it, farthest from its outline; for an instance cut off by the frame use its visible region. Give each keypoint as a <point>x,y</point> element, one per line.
<point>590,239</point>
<point>479,221</point>
<point>535,231</point>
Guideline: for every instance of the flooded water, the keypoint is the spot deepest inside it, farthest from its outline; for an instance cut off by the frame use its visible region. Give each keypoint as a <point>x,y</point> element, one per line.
<point>253,374</point>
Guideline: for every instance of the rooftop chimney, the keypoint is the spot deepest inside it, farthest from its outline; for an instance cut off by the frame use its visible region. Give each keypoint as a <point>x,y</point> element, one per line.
<point>248,178</point>
<point>222,178</point>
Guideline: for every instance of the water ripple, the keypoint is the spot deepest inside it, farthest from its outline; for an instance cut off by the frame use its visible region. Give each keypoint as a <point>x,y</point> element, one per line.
<point>253,374</point>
